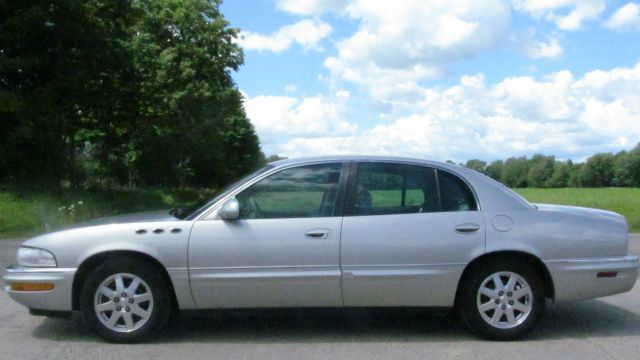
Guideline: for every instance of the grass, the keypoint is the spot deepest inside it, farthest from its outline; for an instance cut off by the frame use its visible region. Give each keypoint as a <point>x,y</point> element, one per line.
<point>37,212</point>
<point>625,201</point>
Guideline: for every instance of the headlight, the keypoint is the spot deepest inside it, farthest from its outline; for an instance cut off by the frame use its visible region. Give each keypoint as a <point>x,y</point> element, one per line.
<point>33,257</point>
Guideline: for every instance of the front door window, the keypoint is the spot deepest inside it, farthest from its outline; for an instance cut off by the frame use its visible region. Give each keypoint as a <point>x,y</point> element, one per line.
<point>300,192</point>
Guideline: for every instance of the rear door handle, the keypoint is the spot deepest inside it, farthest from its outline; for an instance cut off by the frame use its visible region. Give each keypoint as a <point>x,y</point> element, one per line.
<point>318,233</point>
<point>467,228</point>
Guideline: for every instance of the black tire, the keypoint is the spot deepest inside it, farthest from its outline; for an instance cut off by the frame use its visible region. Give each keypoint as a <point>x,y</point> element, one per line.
<point>469,297</point>
<point>160,312</point>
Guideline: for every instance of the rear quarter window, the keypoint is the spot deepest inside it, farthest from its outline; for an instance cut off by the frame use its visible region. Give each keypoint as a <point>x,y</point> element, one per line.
<point>455,194</point>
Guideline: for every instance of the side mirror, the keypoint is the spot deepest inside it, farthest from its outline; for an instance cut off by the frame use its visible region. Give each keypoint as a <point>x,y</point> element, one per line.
<point>230,210</point>
<point>179,212</point>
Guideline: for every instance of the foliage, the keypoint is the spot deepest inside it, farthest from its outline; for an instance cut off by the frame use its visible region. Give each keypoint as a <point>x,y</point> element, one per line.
<point>627,168</point>
<point>598,170</point>
<point>122,92</point>
<point>273,158</point>
<point>477,165</point>
<point>560,174</point>
<point>515,172</point>
<point>540,171</point>
<point>494,170</point>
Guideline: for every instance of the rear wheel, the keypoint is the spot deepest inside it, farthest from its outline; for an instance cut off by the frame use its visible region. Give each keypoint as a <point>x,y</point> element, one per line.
<point>125,300</point>
<point>502,301</point>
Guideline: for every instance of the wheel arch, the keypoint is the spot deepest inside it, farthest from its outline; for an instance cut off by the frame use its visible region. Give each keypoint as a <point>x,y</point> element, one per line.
<point>534,261</point>
<point>95,260</point>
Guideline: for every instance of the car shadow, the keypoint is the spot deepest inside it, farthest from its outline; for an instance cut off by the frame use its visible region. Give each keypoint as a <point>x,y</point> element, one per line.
<point>591,318</point>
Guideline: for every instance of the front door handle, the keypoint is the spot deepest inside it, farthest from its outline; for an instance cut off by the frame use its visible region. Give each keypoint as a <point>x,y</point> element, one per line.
<point>318,233</point>
<point>467,228</point>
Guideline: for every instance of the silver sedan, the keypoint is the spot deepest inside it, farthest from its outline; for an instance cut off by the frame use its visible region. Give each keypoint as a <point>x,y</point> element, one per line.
<point>332,232</point>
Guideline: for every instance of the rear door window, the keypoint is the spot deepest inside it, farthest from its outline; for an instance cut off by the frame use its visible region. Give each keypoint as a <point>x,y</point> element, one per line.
<point>388,188</point>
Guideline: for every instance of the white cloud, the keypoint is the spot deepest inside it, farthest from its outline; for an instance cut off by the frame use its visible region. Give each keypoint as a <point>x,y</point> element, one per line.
<point>548,50</point>
<point>625,18</point>
<point>306,33</point>
<point>399,43</point>
<point>566,14</point>
<point>557,114</point>
<point>311,7</point>
<point>275,117</point>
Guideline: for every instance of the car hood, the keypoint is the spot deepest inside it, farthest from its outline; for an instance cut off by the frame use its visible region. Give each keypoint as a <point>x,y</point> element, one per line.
<point>140,217</point>
<point>583,211</point>
<point>148,216</point>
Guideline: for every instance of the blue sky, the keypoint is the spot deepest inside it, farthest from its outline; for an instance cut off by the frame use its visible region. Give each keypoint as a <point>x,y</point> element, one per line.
<point>454,80</point>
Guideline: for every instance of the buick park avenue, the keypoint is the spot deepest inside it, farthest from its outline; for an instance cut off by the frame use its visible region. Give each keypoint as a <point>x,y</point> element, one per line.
<point>332,232</point>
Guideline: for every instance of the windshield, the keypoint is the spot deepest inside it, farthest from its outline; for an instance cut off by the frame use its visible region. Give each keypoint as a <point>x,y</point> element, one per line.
<point>198,209</point>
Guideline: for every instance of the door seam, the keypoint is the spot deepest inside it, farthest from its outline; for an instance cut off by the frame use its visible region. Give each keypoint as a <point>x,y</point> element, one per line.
<point>340,263</point>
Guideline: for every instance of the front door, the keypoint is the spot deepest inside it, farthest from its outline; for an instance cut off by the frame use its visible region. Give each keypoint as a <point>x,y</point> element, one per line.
<point>407,235</point>
<point>284,251</point>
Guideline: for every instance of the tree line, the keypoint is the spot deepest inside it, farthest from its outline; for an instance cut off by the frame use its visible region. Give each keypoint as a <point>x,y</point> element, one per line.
<point>139,93</point>
<point>541,171</point>
<point>121,93</point>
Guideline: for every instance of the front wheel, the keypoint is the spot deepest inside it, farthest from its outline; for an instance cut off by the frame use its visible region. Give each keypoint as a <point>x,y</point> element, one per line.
<point>124,300</point>
<point>502,301</point>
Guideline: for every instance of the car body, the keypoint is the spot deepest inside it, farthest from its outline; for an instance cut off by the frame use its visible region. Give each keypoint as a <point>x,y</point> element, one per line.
<point>338,231</point>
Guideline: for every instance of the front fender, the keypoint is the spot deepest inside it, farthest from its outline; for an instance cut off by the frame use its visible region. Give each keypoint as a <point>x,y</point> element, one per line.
<point>170,249</point>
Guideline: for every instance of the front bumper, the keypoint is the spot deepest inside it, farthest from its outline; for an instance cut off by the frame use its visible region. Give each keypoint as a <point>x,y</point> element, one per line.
<point>577,279</point>
<point>56,299</point>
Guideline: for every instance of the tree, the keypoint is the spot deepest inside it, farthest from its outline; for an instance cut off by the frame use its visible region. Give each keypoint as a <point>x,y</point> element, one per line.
<point>60,63</point>
<point>560,175</point>
<point>193,112</point>
<point>621,167</point>
<point>494,170</point>
<point>272,158</point>
<point>514,172</point>
<point>575,174</point>
<point>120,92</point>
<point>626,168</point>
<point>633,166</point>
<point>598,170</point>
<point>477,165</point>
<point>540,169</point>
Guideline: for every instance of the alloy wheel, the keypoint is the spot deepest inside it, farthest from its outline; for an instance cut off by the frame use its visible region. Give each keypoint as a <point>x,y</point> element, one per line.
<point>504,300</point>
<point>123,302</point>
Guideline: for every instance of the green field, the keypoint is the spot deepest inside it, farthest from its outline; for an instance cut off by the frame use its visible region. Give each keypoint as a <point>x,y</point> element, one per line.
<point>625,201</point>
<point>35,213</point>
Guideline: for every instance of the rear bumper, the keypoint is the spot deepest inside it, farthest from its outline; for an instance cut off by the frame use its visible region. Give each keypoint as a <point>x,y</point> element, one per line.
<point>56,299</point>
<point>576,279</point>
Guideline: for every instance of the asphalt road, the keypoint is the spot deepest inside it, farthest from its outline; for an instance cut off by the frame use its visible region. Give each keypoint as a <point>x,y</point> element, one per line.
<point>606,328</point>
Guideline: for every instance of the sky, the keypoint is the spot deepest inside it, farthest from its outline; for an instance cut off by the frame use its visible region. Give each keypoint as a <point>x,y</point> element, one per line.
<point>443,80</point>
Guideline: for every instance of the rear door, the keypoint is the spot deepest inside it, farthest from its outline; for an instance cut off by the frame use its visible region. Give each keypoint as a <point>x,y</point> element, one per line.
<point>408,232</point>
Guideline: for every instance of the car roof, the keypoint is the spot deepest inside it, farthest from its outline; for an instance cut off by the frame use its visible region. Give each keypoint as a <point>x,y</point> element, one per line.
<point>304,160</point>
